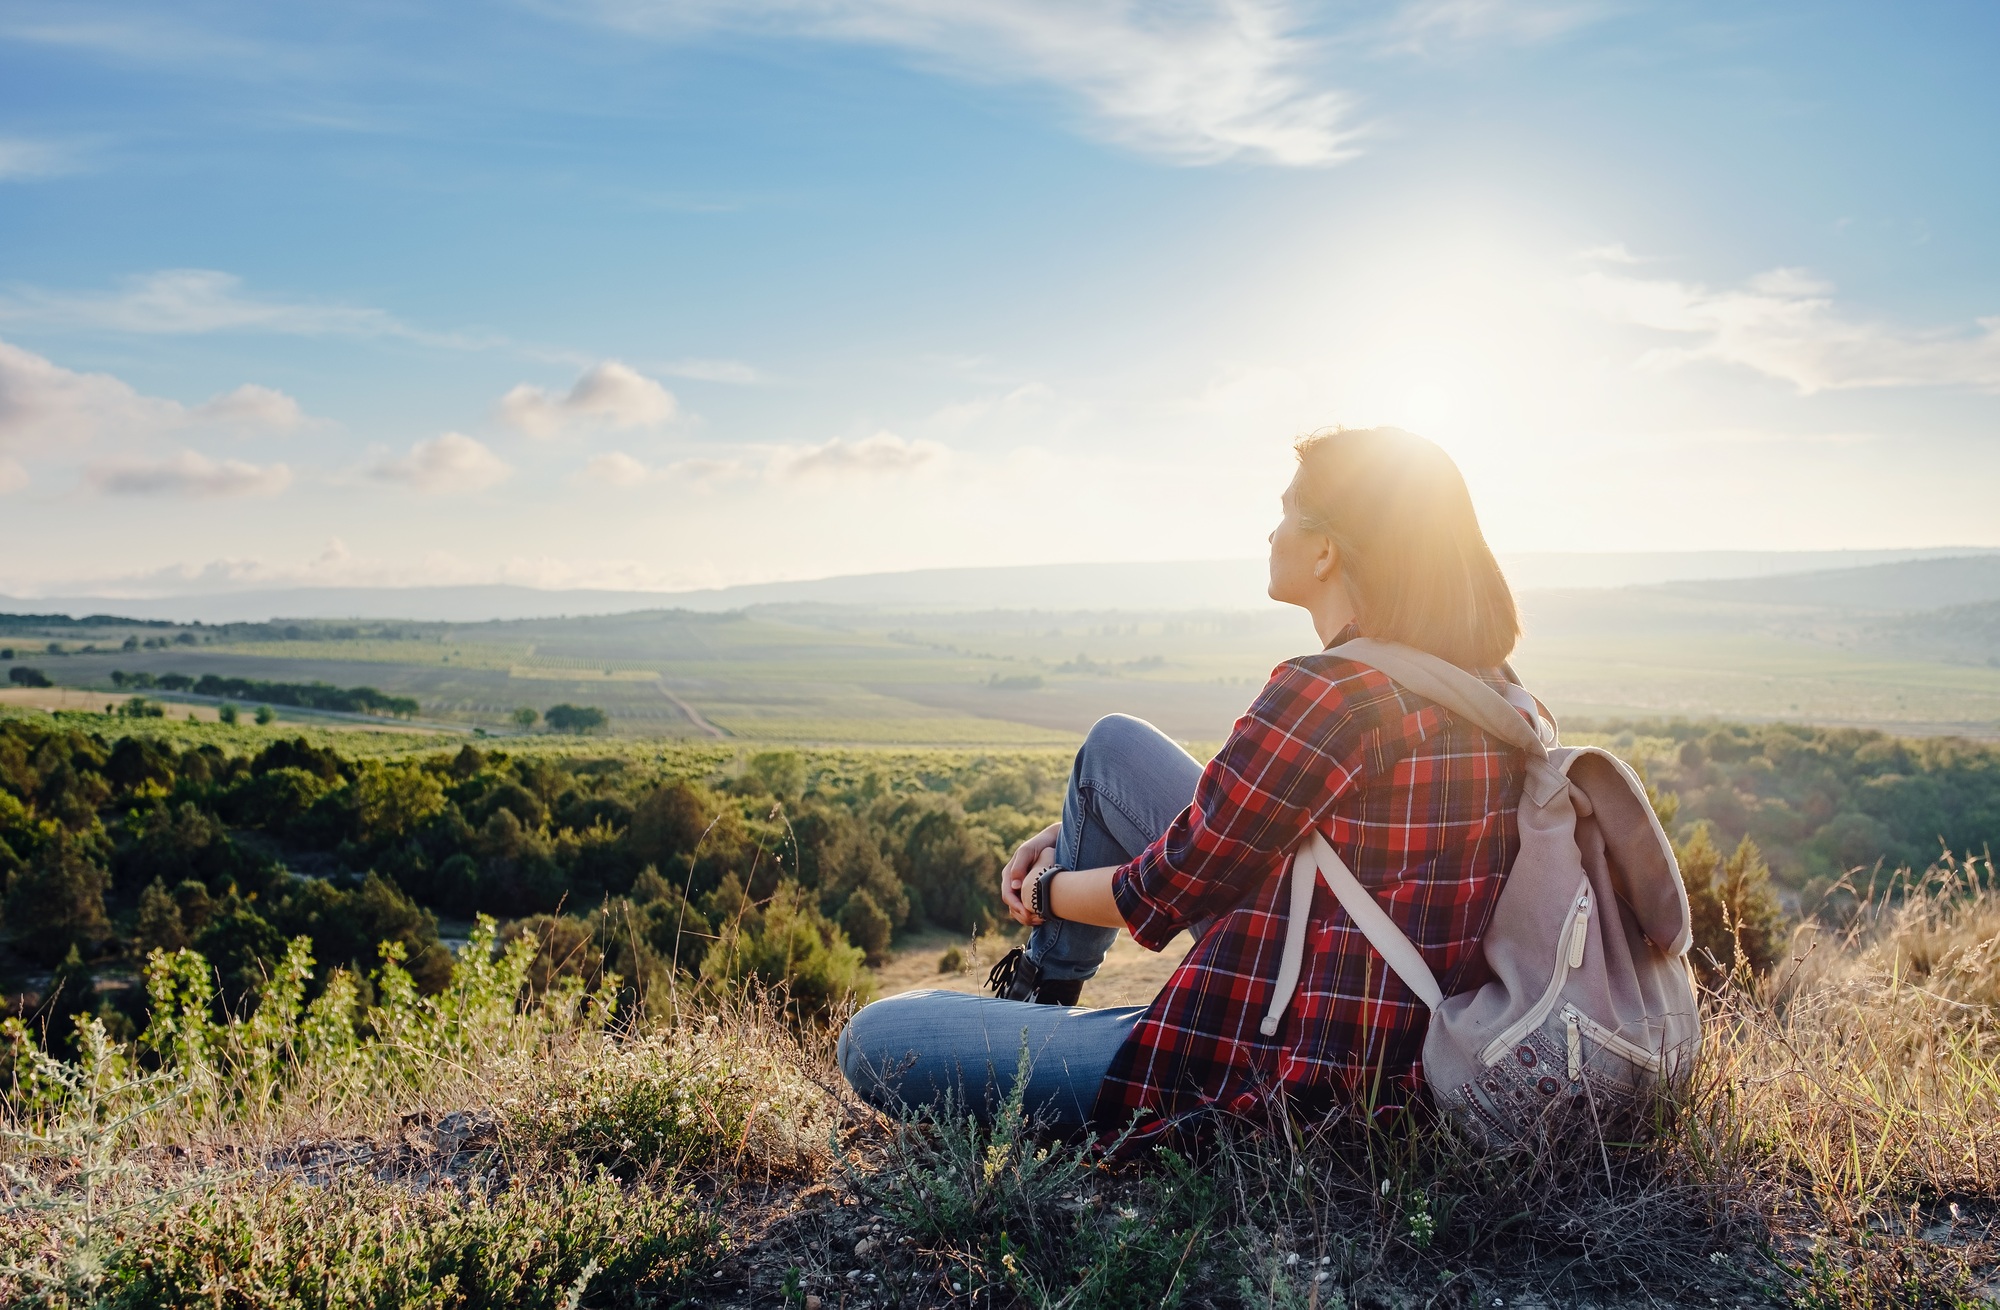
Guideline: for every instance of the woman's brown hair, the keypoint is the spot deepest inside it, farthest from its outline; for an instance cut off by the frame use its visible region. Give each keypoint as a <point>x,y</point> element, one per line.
<point>1417,566</point>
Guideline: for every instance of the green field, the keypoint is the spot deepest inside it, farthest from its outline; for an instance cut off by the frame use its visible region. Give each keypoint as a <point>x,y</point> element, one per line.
<point>820,675</point>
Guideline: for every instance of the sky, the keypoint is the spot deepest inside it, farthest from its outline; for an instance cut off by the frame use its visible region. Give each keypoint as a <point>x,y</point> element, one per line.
<point>678,293</point>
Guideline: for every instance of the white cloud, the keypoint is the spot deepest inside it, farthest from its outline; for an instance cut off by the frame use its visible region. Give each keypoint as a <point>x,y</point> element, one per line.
<point>1200,81</point>
<point>184,301</point>
<point>21,158</point>
<point>253,408</point>
<point>12,476</point>
<point>43,404</point>
<point>187,474</point>
<point>883,453</point>
<point>1786,325</point>
<point>610,394</point>
<point>444,465</point>
<point>616,469</point>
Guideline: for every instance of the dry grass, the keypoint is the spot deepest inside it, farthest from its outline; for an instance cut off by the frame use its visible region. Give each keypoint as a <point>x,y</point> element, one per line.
<point>1839,1145</point>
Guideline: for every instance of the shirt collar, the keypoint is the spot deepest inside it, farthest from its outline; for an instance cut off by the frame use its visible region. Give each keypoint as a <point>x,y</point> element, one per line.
<point>1346,634</point>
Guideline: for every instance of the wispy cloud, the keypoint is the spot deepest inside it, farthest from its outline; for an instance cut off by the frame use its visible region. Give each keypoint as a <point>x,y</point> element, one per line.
<point>616,469</point>
<point>444,465</point>
<point>1423,26</point>
<point>714,370</point>
<point>608,395</point>
<point>138,34</point>
<point>1787,325</point>
<point>21,159</point>
<point>1200,82</point>
<point>43,405</point>
<point>188,301</point>
<point>882,455</point>
<point>189,475</point>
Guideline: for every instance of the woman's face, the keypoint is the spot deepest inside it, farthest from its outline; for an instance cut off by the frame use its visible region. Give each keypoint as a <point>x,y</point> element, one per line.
<point>1295,551</point>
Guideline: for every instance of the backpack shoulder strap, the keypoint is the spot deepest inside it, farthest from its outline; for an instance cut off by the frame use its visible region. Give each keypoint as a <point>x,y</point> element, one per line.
<point>1316,854</point>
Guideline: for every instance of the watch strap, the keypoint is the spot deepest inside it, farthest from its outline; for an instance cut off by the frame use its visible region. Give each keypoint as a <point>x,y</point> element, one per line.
<point>1044,897</point>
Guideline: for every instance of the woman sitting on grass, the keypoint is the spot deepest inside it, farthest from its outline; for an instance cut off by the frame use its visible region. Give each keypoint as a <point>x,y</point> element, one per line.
<point>1378,538</point>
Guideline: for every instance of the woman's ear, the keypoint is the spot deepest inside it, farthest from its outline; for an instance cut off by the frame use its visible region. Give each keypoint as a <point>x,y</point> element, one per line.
<point>1326,564</point>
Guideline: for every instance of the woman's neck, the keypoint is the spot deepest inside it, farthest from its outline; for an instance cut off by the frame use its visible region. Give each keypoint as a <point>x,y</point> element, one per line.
<point>1332,610</point>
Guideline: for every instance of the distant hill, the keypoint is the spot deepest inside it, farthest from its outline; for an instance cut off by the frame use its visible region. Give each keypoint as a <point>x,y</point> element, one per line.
<point>1884,588</point>
<point>1187,585</point>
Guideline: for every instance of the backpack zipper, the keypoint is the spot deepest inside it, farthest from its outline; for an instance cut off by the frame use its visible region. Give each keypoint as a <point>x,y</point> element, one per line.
<point>1569,955</point>
<point>1611,1040</point>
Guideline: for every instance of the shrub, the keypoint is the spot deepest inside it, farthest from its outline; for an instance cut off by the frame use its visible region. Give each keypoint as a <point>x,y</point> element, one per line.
<point>788,945</point>
<point>557,1242</point>
<point>23,676</point>
<point>725,1092</point>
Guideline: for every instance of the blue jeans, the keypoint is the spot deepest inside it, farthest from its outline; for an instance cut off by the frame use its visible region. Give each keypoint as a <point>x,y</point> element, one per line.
<point>1128,783</point>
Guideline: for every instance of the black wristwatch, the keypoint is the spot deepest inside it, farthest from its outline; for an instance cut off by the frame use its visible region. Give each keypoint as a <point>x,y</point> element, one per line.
<point>1042,900</point>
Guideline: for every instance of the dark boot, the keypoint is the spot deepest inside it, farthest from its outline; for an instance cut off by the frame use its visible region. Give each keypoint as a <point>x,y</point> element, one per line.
<point>1018,978</point>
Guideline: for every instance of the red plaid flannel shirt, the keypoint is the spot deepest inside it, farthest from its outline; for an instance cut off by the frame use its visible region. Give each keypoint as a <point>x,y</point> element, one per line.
<point>1421,806</point>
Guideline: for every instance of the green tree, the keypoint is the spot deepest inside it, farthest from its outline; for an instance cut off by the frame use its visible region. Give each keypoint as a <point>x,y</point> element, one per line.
<point>71,994</point>
<point>23,676</point>
<point>197,907</point>
<point>391,801</point>
<point>777,773</point>
<point>160,926</point>
<point>227,713</point>
<point>242,948</point>
<point>1731,906</point>
<point>524,718</point>
<point>574,718</point>
<point>57,902</point>
<point>866,925</point>
<point>349,927</point>
<point>951,868</point>
<point>266,715</point>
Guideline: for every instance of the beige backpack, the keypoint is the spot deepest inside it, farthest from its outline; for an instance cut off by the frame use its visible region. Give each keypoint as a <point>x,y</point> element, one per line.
<point>1591,1007</point>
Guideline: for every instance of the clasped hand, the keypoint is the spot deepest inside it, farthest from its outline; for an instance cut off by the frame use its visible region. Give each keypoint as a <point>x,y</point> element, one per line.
<point>1026,865</point>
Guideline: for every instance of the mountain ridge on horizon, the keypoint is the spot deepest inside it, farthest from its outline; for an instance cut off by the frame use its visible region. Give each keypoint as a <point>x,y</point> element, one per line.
<point>1161,585</point>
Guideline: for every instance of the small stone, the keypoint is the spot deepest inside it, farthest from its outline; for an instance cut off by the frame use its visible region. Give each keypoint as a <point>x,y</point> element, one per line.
<point>813,1302</point>
<point>863,1247</point>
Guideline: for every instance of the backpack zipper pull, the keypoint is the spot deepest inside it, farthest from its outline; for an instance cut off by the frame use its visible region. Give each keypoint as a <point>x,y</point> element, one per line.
<point>1580,933</point>
<point>1575,1046</point>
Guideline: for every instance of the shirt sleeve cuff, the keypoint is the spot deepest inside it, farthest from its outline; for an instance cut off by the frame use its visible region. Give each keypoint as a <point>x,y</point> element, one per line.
<point>1151,924</point>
